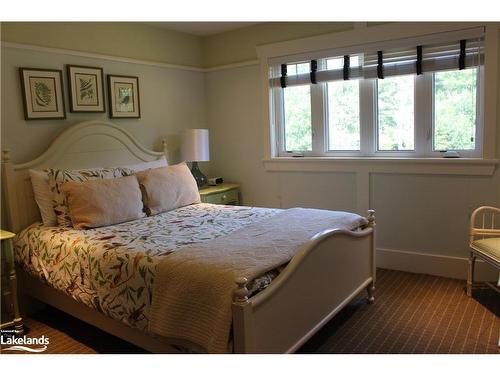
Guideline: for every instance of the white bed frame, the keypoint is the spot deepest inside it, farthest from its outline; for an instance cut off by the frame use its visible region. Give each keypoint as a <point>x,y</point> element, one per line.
<point>324,276</point>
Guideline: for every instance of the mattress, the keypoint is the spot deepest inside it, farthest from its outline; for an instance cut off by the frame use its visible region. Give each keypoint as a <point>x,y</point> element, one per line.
<point>112,269</point>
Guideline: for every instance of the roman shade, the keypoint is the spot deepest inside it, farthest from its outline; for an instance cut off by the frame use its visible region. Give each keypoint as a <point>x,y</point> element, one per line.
<point>429,53</point>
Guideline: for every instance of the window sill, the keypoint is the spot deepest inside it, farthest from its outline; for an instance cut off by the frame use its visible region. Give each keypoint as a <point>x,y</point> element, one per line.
<point>441,166</point>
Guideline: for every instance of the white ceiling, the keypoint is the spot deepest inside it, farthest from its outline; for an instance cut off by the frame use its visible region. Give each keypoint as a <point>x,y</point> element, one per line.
<point>202,28</point>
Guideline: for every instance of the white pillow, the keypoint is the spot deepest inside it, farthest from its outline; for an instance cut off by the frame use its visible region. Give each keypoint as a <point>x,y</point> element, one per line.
<point>168,188</point>
<point>43,197</point>
<point>161,162</point>
<point>100,202</point>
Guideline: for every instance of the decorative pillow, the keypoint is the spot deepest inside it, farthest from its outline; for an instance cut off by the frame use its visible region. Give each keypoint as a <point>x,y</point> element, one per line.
<point>96,203</point>
<point>57,177</point>
<point>168,188</point>
<point>43,196</point>
<point>161,162</point>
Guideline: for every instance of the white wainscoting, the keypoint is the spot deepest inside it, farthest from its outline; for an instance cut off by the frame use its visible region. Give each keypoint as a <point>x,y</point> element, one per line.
<point>433,264</point>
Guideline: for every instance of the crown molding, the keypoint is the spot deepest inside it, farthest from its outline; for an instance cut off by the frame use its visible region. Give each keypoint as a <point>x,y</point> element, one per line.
<point>127,60</point>
<point>69,52</point>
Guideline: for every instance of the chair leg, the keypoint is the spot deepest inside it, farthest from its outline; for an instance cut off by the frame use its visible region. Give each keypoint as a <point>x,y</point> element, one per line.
<point>370,289</point>
<point>470,273</point>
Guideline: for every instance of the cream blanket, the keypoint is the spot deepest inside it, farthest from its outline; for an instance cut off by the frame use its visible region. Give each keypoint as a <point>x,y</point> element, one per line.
<point>192,292</point>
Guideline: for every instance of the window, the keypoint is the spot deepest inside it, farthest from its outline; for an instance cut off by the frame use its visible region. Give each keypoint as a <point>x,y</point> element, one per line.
<point>297,125</point>
<point>395,98</point>
<point>455,110</point>
<point>343,116</point>
<point>375,103</point>
<point>343,110</point>
<point>297,112</point>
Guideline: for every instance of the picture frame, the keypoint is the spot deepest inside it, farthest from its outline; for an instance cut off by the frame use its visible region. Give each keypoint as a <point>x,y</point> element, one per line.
<point>123,96</point>
<point>43,96</point>
<point>86,88</point>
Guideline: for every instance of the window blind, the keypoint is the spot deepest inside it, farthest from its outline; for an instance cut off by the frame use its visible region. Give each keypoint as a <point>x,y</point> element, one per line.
<point>431,53</point>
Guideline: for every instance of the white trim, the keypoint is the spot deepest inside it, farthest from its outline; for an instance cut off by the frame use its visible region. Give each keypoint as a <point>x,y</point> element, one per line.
<point>466,167</point>
<point>92,55</point>
<point>100,56</point>
<point>237,65</point>
<point>433,264</point>
<point>490,92</point>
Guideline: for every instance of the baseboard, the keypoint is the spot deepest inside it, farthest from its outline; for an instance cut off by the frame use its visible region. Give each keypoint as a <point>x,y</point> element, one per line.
<point>433,264</point>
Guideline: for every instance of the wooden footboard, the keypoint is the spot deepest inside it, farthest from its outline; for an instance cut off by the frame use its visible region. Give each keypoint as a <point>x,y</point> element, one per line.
<point>324,276</point>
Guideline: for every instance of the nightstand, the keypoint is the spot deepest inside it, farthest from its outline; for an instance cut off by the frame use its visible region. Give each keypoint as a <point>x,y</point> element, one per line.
<point>10,293</point>
<point>221,194</point>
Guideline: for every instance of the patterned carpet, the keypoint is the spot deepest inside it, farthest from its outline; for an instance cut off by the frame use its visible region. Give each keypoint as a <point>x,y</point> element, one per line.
<point>413,313</point>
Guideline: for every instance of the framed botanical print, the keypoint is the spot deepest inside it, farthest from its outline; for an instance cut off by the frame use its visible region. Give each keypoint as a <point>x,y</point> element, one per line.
<point>123,94</point>
<point>86,89</point>
<point>42,91</point>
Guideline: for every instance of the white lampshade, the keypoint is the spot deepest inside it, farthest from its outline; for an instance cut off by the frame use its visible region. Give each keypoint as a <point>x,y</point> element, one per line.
<point>194,145</point>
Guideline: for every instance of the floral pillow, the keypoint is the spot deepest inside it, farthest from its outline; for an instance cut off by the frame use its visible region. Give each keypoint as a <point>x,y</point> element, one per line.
<point>57,177</point>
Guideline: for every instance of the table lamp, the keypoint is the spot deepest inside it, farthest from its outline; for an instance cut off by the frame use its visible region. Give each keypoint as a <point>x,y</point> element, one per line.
<point>195,148</point>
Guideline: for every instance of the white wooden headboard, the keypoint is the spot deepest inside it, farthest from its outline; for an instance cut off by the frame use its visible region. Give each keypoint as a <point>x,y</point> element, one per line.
<point>88,144</point>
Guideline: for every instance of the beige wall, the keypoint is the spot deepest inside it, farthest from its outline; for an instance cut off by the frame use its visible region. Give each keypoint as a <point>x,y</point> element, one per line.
<point>239,45</point>
<point>415,213</point>
<point>132,40</point>
<point>152,43</point>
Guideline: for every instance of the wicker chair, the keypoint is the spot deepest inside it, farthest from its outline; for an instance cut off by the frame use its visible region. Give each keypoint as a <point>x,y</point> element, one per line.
<point>484,242</point>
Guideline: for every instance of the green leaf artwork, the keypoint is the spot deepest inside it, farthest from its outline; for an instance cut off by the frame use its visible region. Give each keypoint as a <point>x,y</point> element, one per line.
<point>124,96</point>
<point>43,94</point>
<point>125,101</point>
<point>86,89</point>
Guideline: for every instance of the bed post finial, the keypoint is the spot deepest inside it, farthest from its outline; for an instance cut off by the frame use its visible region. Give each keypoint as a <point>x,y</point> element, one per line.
<point>371,217</point>
<point>164,147</point>
<point>240,295</point>
<point>5,156</point>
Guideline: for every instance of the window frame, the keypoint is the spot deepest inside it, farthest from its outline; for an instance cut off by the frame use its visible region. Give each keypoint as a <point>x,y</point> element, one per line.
<point>327,125</point>
<point>478,136</point>
<point>368,113</point>
<point>388,153</point>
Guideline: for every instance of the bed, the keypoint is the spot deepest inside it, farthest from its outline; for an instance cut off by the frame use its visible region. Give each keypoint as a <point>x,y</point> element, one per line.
<point>274,312</point>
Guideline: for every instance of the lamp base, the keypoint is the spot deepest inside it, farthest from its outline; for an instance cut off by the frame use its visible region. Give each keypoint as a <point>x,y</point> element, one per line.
<point>201,179</point>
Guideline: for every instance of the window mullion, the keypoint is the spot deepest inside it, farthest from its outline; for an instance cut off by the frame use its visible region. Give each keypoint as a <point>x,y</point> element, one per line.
<point>479,150</point>
<point>318,118</point>
<point>367,116</point>
<point>423,114</point>
<point>279,120</point>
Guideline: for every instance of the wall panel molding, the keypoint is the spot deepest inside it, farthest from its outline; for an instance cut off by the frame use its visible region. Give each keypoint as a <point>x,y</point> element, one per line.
<point>433,264</point>
<point>92,55</point>
<point>61,51</point>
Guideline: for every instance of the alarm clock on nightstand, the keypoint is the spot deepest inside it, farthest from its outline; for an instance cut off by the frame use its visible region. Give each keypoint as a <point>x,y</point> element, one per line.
<point>215,181</point>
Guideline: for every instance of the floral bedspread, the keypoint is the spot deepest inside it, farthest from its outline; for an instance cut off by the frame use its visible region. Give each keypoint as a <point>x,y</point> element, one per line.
<point>112,269</point>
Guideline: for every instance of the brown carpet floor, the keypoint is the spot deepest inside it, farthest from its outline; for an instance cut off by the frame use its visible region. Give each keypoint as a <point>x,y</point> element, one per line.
<point>413,313</point>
